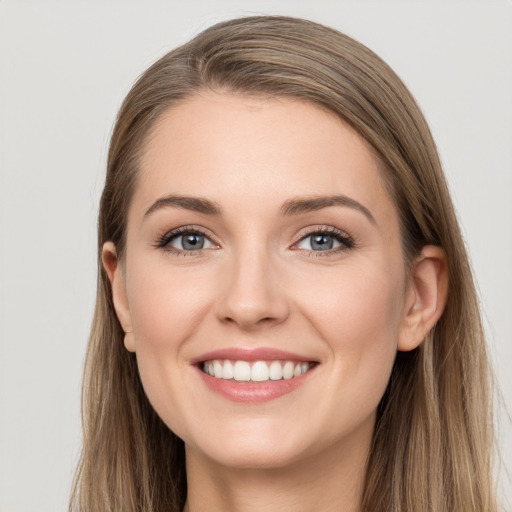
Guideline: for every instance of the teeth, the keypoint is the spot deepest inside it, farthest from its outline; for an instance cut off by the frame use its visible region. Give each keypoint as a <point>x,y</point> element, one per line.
<point>217,369</point>
<point>258,371</point>
<point>275,372</point>
<point>228,371</point>
<point>242,371</point>
<point>288,370</point>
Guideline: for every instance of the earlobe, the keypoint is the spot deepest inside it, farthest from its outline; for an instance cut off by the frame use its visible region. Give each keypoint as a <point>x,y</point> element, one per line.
<point>113,269</point>
<point>426,297</point>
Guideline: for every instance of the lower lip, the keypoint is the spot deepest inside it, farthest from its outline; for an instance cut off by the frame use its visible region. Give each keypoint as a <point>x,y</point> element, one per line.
<point>256,392</point>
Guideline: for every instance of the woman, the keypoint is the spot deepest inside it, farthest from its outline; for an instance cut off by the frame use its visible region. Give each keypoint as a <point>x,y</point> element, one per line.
<point>286,318</point>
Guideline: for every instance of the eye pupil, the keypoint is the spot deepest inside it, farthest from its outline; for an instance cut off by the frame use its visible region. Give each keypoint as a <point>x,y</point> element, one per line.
<point>192,241</point>
<point>322,242</point>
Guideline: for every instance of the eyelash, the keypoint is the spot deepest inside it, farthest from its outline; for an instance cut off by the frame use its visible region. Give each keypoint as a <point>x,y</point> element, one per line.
<point>164,241</point>
<point>347,242</point>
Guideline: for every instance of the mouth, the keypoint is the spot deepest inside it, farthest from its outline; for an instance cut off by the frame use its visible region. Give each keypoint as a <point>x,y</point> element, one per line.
<point>254,375</point>
<point>255,371</point>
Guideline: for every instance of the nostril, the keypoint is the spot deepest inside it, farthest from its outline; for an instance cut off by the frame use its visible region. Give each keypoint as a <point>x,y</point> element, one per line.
<point>250,323</point>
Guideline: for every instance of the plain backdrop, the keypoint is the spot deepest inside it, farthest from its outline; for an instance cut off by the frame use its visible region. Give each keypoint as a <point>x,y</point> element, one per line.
<point>64,69</point>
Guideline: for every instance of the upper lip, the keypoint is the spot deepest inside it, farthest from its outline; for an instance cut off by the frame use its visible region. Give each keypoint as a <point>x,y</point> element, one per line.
<point>251,354</point>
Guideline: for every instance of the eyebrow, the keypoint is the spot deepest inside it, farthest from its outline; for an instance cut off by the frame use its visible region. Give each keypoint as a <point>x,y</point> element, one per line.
<point>195,204</point>
<point>294,206</point>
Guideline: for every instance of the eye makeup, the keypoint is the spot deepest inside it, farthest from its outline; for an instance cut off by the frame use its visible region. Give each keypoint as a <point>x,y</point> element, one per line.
<point>322,236</point>
<point>329,241</point>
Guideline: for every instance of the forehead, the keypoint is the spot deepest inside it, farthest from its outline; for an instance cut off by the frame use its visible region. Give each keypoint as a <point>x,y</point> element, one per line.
<point>254,151</point>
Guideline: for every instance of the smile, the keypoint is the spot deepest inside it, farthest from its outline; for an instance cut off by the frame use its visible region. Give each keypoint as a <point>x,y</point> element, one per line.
<point>255,371</point>
<point>254,375</point>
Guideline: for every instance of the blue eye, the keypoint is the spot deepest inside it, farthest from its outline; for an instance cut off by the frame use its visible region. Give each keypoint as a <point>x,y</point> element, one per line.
<point>189,242</point>
<point>321,242</point>
<point>185,240</point>
<point>325,241</point>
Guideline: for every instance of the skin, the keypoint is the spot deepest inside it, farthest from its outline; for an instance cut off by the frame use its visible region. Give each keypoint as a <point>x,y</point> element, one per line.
<point>258,283</point>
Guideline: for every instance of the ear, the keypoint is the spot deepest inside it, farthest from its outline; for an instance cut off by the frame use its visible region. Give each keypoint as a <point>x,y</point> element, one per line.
<point>114,271</point>
<point>425,298</point>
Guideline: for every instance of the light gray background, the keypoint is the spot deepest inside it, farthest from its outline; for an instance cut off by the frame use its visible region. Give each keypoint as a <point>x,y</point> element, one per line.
<point>64,69</point>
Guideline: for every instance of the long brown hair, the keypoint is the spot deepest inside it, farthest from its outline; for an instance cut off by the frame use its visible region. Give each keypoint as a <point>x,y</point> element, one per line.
<point>433,439</point>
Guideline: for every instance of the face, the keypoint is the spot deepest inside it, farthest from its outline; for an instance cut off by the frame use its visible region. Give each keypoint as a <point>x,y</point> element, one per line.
<point>262,248</point>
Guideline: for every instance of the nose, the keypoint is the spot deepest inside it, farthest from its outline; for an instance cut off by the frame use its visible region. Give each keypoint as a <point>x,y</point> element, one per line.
<point>251,294</point>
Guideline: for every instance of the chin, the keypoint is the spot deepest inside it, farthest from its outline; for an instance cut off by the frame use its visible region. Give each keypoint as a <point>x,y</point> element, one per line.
<point>256,455</point>
<point>259,444</point>
<point>263,443</point>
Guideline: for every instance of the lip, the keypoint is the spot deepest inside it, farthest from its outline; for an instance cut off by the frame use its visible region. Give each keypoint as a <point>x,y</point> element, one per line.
<point>252,392</point>
<point>252,354</point>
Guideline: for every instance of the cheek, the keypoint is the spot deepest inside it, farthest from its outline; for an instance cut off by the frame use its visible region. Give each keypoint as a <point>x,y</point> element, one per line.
<point>360,301</point>
<point>358,316</point>
<point>166,305</point>
<point>167,308</point>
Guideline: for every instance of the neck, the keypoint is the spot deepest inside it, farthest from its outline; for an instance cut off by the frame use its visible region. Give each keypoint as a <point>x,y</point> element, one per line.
<point>329,481</point>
